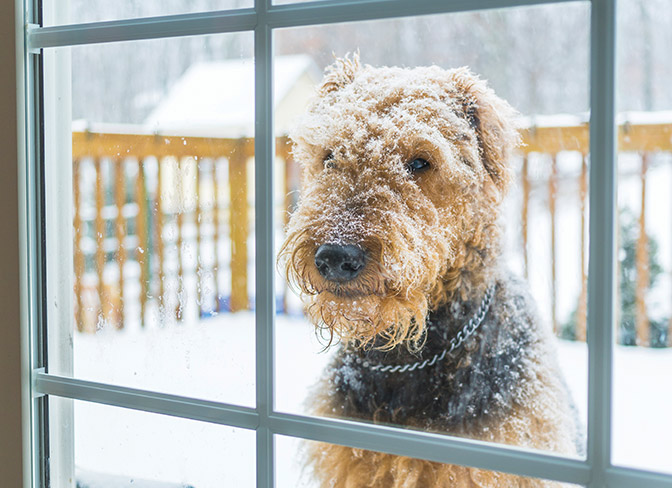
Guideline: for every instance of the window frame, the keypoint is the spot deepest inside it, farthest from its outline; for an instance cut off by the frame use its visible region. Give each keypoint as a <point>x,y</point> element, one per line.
<point>31,39</point>
<point>14,367</point>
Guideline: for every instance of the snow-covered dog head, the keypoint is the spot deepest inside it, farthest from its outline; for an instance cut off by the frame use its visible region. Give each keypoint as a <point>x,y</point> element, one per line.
<point>403,171</point>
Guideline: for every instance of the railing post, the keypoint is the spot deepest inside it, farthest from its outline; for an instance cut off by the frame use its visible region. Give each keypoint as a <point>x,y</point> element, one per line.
<point>581,311</point>
<point>291,185</point>
<point>216,237</point>
<point>642,260</point>
<point>100,239</point>
<point>238,226</point>
<point>525,175</point>
<point>120,200</point>
<point>79,255</point>
<point>159,237</point>
<point>199,217</point>
<point>552,195</point>
<point>618,306</point>
<point>142,253</point>
<point>179,307</point>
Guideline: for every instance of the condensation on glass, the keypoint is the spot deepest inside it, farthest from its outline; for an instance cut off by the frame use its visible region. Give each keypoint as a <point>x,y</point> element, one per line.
<point>150,151</point>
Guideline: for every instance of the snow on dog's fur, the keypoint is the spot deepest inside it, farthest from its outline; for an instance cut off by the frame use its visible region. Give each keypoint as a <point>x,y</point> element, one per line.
<point>403,172</point>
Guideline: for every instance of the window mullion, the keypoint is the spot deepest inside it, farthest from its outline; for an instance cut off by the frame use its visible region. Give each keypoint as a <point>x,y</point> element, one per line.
<point>433,447</point>
<point>324,12</point>
<point>601,282</point>
<point>264,150</point>
<point>192,24</point>
<point>145,400</point>
<point>58,201</point>
<point>34,279</point>
<point>245,19</point>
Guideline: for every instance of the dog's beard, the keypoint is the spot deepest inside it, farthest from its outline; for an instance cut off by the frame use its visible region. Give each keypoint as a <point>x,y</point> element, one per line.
<point>385,321</point>
<point>383,307</point>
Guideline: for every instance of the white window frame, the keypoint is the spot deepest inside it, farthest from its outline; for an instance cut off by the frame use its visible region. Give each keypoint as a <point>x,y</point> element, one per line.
<point>596,471</point>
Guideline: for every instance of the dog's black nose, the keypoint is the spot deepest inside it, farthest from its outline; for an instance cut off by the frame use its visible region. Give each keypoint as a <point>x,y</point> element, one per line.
<point>340,263</point>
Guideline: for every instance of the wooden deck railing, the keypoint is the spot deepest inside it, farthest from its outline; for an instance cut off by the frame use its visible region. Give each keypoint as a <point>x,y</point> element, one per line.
<point>141,181</point>
<point>642,139</point>
<point>203,207</point>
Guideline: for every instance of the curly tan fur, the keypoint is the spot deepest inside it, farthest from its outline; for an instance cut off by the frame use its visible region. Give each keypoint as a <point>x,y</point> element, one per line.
<point>372,122</point>
<point>342,467</point>
<point>539,420</point>
<point>431,239</point>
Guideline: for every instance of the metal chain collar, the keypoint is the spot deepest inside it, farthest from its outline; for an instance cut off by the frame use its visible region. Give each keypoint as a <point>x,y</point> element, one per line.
<point>463,334</point>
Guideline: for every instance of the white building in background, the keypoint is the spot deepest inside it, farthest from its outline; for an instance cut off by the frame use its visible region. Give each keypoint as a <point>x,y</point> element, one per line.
<point>216,98</point>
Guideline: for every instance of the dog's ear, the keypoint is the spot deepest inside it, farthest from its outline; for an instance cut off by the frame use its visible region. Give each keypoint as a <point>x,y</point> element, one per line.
<point>340,73</point>
<point>494,120</point>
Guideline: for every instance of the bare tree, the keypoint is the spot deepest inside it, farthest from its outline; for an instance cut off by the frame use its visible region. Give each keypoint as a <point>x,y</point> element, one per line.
<point>537,58</point>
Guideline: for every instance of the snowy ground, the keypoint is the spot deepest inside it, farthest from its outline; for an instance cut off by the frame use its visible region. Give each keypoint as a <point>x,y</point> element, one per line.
<point>215,360</point>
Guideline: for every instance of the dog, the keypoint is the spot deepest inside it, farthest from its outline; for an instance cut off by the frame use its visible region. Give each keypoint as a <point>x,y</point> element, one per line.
<point>395,249</point>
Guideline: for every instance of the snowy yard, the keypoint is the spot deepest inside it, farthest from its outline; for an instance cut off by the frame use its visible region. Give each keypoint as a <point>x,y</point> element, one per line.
<point>215,360</point>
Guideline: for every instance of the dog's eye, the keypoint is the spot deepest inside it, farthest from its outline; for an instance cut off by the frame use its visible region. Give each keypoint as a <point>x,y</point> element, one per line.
<point>418,165</point>
<point>329,161</point>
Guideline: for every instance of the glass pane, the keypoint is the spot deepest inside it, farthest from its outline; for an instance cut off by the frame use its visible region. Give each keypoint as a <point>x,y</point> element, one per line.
<point>151,164</point>
<point>308,464</point>
<point>400,237</point>
<point>99,446</point>
<point>643,353</point>
<point>56,12</point>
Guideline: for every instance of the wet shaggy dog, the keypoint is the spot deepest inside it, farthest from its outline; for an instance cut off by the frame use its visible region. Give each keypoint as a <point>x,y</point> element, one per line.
<point>394,246</point>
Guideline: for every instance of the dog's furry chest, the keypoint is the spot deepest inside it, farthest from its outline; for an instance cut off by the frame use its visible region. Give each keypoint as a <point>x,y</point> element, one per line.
<point>478,383</point>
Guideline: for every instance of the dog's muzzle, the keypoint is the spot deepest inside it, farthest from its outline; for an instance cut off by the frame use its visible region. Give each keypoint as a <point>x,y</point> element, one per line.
<point>340,263</point>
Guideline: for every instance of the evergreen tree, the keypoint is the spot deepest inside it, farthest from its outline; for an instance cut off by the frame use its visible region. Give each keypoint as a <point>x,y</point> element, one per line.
<point>627,259</point>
